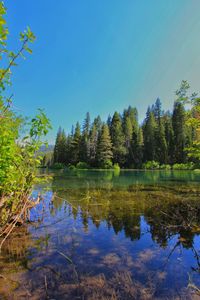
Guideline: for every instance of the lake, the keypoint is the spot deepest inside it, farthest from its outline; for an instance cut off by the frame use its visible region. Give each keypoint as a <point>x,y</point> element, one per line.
<point>108,235</point>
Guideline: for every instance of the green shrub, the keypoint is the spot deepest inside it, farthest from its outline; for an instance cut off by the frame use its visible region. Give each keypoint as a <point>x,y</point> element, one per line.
<point>71,167</point>
<point>116,167</point>
<point>82,165</point>
<point>151,165</point>
<point>18,160</point>
<point>187,166</point>
<point>58,166</point>
<point>165,167</point>
<point>107,164</point>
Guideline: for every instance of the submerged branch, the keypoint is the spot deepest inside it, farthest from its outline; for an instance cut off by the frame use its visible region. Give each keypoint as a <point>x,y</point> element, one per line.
<point>19,216</point>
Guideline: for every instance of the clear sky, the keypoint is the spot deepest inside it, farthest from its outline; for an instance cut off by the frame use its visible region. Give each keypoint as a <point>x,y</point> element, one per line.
<point>103,55</point>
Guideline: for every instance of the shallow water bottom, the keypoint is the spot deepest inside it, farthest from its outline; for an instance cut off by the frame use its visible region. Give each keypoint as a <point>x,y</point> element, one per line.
<point>102,236</point>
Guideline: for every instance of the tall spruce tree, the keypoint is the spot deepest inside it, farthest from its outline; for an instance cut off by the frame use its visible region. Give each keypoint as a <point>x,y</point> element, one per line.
<point>69,149</point>
<point>136,150</point>
<point>169,136</point>
<point>118,140</point>
<point>128,135</point>
<point>133,114</point>
<point>93,145</point>
<point>75,145</point>
<point>104,148</point>
<point>161,144</point>
<point>60,147</point>
<point>178,122</point>
<point>84,147</point>
<point>98,124</point>
<point>128,131</point>
<point>56,147</point>
<point>109,121</point>
<point>157,110</point>
<point>140,147</point>
<point>149,133</point>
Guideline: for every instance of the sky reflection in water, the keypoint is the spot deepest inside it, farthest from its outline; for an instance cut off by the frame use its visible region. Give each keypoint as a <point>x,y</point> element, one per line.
<point>128,235</point>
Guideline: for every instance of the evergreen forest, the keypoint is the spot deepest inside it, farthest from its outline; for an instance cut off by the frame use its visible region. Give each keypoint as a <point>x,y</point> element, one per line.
<point>163,139</point>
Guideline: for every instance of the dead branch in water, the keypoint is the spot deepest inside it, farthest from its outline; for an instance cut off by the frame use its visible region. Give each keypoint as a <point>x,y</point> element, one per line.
<point>21,215</point>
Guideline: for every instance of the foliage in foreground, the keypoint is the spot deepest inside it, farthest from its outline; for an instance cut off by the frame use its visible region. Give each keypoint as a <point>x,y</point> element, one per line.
<point>18,161</point>
<point>18,153</point>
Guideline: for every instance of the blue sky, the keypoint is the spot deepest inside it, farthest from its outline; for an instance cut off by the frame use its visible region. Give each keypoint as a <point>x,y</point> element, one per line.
<point>101,56</point>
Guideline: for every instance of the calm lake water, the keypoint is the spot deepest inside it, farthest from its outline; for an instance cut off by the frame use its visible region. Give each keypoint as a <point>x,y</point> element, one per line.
<point>108,235</point>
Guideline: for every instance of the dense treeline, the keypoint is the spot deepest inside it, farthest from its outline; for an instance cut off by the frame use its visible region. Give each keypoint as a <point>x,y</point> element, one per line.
<point>163,137</point>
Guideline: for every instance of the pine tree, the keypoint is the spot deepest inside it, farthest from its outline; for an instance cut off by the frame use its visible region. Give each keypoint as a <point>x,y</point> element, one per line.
<point>60,147</point>
<point>118,140</point>
<point>109,121</point>
<point>157,110</point>
<point>75,145</point>
<point>128,135</point>
<point>128,131</point>
<point>136,150</point>
<point>178,122</point>
<point>133,114</point>
<point>104,148</point>
<point>98,124</point>
<point>86,125</point>
<point>93,145</point>
<point>140,144</point>
<point>149,133</point>
<point>84,147</point>
<point>69,149</point>
<point>131,130</point>
<point>161,144</point>
<point>56,147</point>
<point>169,136</point>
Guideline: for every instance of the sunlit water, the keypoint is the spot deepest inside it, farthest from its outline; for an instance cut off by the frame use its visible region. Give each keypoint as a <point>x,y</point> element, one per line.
<point>108,235</point>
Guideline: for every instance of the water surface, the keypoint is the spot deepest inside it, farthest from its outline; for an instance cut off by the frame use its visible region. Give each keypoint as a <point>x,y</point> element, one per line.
<point>108,235</point>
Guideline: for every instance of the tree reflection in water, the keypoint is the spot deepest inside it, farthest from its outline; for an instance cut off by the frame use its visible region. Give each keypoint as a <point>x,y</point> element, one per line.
<point>102,240</point>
